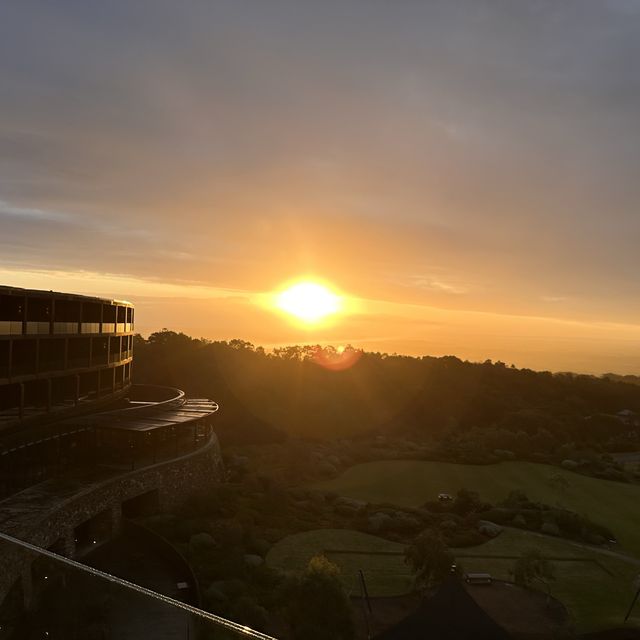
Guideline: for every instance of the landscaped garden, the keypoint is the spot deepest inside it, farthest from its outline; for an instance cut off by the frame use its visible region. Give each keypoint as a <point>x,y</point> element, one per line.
<point>413,482</point>
<point>596,587</point>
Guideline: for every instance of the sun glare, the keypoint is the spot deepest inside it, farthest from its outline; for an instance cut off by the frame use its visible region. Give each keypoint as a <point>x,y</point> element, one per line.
<point>308,301</point>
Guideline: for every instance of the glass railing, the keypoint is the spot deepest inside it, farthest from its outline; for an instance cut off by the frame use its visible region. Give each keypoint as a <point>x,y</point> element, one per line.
<point>90,327</point>
<point>10,327</point>
<point>65,327</point>
<point>104,595</point>
<point>38,328</point>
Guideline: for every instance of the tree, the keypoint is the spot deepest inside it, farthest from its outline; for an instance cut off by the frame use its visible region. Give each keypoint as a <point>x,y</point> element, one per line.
<point>429,558</point>
<point>467,502</point>
<point>532,567</point>
<point>317,606</point>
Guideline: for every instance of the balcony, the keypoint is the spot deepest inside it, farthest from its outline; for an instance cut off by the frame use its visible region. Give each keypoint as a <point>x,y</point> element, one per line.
<point>65,327</point>
<point>90,327</point>
<point>10,327</point>
<point>38,328</point>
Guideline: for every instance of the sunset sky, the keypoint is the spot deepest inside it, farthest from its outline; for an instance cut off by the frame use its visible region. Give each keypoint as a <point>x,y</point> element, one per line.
<point>465,173</point>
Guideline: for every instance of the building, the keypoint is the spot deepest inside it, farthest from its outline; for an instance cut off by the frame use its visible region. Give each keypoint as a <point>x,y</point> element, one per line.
<point>82,449</point>
<point>60,351</point>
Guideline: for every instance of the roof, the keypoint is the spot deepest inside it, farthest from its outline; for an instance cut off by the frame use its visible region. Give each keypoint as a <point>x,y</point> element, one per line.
<point>19,291</point>
<point>191,409</point>
<point>451,614</point>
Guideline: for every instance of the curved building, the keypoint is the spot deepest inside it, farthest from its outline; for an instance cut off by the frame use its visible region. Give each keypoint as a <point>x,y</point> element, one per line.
<point>59,351</point>
<point>82,450</point>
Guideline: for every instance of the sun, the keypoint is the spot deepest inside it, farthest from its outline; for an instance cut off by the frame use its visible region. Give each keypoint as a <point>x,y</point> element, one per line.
<point>310,302</point>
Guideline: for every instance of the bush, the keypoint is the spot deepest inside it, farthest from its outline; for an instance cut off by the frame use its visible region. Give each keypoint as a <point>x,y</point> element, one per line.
<point>316,605</point>
<point>248,612</point>
<point>519,521</point>
<point>530,567</point>
<point>429,558</point>
<point>550,529</point>
<point>467,538</point>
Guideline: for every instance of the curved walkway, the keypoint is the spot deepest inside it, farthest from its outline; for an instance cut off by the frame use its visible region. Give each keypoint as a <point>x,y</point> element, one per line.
<point>132,617</point>
<point>583,545</point>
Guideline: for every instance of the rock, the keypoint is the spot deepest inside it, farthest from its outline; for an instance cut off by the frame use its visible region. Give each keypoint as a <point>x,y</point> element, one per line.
<point>253,560</point>
<point>345,510</point>
<point>489,528</point>
<point>334,460</point>
<point>569,464</point>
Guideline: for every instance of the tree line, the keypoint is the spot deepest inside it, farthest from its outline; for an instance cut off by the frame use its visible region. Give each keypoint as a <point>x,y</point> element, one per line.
<point>323,392</point>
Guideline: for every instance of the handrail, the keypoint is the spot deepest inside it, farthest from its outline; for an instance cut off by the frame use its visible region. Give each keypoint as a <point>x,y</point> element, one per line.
<point>177,399</point>
<point>243,630</point>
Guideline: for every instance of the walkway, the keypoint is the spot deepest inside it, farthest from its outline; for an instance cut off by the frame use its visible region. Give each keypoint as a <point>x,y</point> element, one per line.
<point>131,616</point>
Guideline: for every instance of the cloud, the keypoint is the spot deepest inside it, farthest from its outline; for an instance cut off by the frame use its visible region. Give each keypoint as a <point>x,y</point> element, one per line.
<point>28,214</point>
<point>475,154</point>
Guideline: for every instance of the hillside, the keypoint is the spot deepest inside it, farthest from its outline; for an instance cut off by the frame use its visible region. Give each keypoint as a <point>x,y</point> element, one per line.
<point>297,391</point>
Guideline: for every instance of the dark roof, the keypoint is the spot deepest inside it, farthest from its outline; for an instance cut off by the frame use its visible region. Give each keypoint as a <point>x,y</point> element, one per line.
<point>451,614</point>
<point>42,293</point>
<point>135,420</point>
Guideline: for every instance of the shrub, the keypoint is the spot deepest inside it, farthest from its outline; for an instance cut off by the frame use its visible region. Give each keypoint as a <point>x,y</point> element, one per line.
<point>316,605</point>
<point>248,612</point>
<point>550,529</point>
<point>429,559</point>
<point>519,521</point>
<point>530,567</point>
<point>467,538</point>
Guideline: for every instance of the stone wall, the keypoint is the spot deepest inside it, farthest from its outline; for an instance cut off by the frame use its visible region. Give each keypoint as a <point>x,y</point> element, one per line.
<point>54,522</point>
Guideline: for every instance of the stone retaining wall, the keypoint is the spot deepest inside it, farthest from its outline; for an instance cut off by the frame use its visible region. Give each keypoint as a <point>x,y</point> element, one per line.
<point>175,480</point>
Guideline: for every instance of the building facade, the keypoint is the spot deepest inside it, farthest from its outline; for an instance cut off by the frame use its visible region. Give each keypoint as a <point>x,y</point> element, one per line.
<point>71,418</point>
<point>59,351</point>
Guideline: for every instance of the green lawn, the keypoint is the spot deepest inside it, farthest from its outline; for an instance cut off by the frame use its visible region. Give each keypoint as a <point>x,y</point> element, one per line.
<point>413,482</point>
<point>595,587</point>
<point>386,575</point>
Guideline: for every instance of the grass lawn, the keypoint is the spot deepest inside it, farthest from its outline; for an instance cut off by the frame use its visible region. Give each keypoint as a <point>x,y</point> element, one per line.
<point>381,560</point>
<point>413,482</point>
<point>595,587</point>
